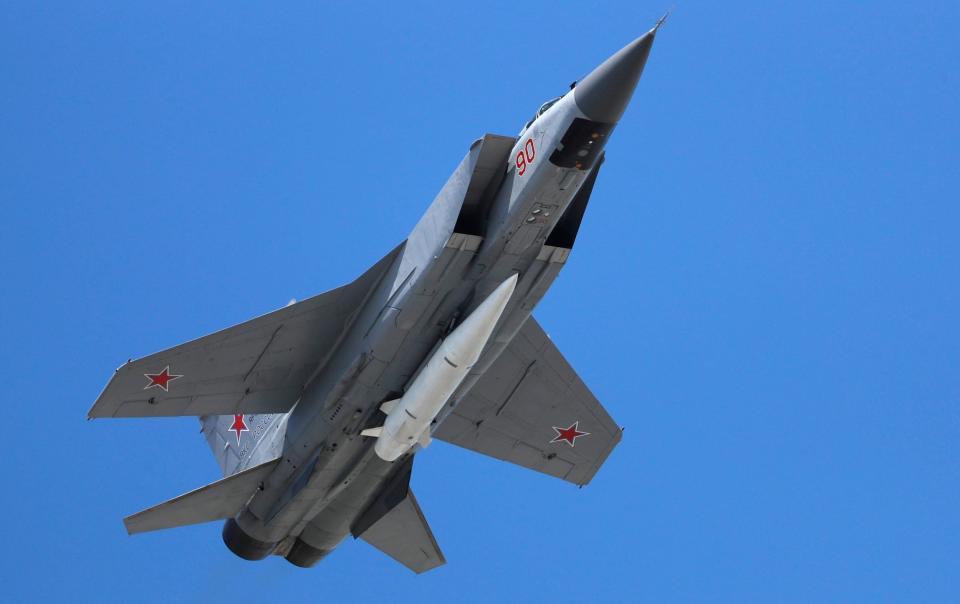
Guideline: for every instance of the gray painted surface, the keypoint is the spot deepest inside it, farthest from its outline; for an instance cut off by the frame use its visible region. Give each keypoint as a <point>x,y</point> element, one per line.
<point>305,380</point>
<point>605,93</point>
<point>215,501</point>
<point>511,411</point>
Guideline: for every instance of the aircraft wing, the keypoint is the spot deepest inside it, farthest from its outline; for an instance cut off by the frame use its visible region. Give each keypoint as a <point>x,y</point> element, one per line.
<point>255,367</point>
<point>532,409</point>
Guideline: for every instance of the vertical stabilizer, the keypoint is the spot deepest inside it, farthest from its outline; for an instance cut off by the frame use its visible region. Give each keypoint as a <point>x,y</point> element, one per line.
<point>243,441</point>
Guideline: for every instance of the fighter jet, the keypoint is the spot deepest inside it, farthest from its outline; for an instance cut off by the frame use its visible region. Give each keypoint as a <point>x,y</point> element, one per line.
<point>316,412</point>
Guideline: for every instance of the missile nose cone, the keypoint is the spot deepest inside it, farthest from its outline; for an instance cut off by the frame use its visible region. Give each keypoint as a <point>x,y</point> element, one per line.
<point>510,283</point>
<point>604,94</point>
<point>491,308</point>
<point>505,290</point>
<point>466,342</point>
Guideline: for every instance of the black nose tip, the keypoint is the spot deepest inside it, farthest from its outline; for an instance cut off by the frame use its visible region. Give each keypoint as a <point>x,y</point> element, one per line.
<point>605,93</point>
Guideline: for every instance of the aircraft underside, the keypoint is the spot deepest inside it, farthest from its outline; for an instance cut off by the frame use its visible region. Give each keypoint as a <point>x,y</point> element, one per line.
<point>316,412</point>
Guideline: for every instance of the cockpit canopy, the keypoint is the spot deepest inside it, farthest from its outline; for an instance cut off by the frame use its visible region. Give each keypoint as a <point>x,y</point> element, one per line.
<point>543,109</point>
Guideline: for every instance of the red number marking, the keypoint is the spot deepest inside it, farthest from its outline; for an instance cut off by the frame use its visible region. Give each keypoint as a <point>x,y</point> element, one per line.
<point>525,157</point>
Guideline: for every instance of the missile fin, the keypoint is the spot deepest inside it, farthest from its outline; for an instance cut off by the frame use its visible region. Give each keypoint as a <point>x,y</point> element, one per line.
<point>424,440</point>
<point>374,432</point>
<point>389,406</point>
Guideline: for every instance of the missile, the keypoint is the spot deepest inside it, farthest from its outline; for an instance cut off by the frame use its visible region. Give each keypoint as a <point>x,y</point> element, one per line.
<point>409,417</point>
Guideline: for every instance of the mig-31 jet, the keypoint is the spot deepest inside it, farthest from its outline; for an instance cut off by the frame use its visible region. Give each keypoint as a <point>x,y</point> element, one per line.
<point>316,412</point>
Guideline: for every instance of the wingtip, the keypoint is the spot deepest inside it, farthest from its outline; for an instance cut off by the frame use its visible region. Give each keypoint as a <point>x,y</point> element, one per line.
<point>128,527</point>
<point>93,413</point>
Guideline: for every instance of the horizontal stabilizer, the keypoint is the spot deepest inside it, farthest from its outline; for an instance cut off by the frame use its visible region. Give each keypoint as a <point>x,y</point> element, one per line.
<point>215,501</point>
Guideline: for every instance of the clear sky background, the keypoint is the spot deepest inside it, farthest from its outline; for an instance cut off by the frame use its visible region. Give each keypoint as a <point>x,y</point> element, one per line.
<point>764,291</point>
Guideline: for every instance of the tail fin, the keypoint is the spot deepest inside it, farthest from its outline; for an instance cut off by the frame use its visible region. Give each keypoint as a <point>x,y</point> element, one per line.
<point>215,501</point>
<point>243,441</point>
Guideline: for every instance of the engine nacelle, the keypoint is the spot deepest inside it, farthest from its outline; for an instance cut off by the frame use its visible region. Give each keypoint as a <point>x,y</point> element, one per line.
<point>304,555</point>
<point>318,539</point>
<point>242,544</point>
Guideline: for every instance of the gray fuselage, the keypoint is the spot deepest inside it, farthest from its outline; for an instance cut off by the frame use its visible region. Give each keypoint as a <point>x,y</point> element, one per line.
<point>328,472</point>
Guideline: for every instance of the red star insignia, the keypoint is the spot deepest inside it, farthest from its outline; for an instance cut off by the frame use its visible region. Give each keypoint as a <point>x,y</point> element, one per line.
<point>238,426</point>
<point>569,435</point>
<point>160,380</point>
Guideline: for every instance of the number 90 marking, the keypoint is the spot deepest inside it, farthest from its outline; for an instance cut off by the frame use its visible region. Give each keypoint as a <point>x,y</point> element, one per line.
<point>525,156</point>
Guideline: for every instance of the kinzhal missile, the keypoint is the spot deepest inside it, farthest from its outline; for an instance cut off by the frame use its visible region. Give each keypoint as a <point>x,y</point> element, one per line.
<point>409,417</point>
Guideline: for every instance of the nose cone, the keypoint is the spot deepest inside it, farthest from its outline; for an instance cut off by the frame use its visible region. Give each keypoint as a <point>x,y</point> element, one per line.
<point>604,94</point>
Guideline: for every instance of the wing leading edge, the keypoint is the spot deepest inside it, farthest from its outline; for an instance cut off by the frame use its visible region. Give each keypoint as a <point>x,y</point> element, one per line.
<point>532,409</point>
<point>258,366</point>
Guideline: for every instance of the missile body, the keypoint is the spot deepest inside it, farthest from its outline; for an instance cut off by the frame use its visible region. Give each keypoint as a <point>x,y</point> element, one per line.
<point>409,417</point>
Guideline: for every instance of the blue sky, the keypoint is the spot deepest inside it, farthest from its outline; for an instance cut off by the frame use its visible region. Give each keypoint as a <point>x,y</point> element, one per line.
<point>764,291</point>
